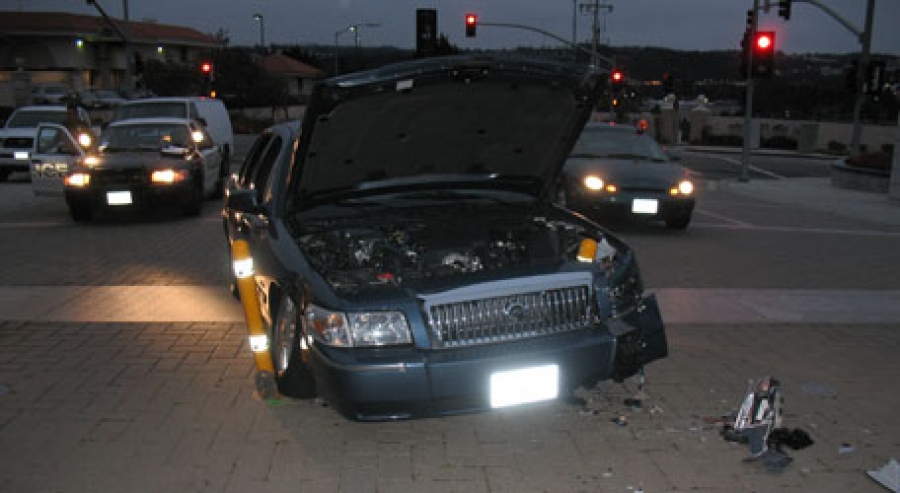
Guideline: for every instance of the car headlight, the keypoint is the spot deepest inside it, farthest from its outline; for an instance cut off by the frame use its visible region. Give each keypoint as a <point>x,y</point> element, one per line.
<point>357,329</point>
<point>77,180</point>
<point>684,187</point>
<point>168,176</point>
<point>593,182</point>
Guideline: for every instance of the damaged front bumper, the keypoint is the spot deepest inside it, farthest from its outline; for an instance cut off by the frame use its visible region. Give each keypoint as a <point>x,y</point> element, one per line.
<point>402,383</point>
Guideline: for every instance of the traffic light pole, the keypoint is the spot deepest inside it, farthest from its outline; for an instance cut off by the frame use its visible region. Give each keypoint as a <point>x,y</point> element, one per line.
<point>748,105</point>
<point>593,54</point>
<point>865,39</point>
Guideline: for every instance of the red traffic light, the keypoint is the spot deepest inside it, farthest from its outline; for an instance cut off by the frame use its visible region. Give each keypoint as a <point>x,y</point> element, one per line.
<point>617,76</point>
<point>206,67</point>
<point>764,41</point>
<point>471,24</point>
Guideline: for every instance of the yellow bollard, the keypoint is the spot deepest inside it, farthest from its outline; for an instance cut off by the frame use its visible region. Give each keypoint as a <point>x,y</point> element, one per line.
<point>259,340</point>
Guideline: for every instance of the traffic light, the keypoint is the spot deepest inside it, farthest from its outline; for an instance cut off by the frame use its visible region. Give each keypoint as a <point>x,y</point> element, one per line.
<point>751,19</point>
<point>426,32</point>
<point>784,9</point>
<point>763,54</point>
<point>617,78</point>
<point>208,71</point>
<point>471,24</point>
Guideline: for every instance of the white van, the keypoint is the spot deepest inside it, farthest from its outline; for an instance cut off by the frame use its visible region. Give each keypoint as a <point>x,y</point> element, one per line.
<point>208,111</point>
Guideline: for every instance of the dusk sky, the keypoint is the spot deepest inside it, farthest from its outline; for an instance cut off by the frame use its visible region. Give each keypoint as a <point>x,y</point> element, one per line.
<point>677,24</point>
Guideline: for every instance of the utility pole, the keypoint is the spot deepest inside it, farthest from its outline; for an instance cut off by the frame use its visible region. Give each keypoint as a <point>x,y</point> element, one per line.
<point>866,40</point>
<point>123,33</point>
<point>129,57</point>
<point>748,104</point>
<point>595,8</point>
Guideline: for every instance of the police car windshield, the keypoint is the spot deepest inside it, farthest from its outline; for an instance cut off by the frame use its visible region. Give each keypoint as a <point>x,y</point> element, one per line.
<point>616,144</point>
<point>144,138</point>
<point>150,110</point>
<point>29,119</point>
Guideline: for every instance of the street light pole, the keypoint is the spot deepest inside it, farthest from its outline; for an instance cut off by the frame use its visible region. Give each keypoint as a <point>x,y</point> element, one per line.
<point>354,28</point>
<point>262,30</point>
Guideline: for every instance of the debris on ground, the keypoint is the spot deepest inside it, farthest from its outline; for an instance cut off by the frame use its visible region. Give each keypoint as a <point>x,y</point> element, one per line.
<point>845,448</point>
<point>888,476</point>
<point>757,423</point>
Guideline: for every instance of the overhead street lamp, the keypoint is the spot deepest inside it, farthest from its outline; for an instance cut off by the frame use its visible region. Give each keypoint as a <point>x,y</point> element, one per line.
<point>262,30</point>
<point>354,28</point>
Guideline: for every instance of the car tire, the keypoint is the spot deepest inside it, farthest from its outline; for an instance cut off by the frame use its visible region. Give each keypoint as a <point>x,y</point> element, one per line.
<point>292,372</point>
<point>678,222</point>
<point>4,174</point>
<point>81,212</point>
<point>194,204</point>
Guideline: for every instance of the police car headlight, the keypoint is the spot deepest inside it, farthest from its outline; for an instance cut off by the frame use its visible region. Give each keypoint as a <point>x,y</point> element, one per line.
<point>168,176</point>
<point>78,180</point>
<point>357,329</point>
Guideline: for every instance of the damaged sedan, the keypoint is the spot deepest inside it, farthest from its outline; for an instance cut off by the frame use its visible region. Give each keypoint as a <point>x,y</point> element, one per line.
<point>409,259</point>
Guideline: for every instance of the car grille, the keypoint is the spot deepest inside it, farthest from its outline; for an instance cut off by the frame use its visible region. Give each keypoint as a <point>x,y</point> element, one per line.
<point>18,142</point>
<point>118,177</point>
<point>510,317</point>
<point>643,189</point>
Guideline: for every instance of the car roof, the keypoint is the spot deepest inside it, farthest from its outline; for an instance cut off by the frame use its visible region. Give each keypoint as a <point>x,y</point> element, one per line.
<point>153,120</point>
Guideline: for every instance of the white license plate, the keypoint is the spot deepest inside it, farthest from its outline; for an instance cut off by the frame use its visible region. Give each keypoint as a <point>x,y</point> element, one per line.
<point>513,387</point>
<point>645,206</point>
<point>118,198</point>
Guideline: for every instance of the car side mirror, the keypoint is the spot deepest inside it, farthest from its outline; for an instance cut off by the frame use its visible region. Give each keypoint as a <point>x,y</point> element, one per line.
<point>242,201</point>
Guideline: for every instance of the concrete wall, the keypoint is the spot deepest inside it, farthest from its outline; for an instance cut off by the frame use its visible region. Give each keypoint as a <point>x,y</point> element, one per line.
<point>817,135</point>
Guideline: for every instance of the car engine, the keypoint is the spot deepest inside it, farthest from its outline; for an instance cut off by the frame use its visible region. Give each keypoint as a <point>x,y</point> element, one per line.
<point>353,256</point>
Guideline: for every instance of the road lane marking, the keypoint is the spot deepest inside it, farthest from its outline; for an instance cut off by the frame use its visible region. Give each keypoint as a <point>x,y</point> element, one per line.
<point>751,167</point>
<point>723,218</point>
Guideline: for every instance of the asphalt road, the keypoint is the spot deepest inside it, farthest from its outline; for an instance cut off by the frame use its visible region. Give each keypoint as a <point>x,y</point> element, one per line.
<point>734,242</point>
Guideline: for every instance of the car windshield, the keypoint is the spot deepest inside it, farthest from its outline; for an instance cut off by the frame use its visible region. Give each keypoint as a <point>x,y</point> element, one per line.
<point>610,143</point>
<point>29,119</point>
<point>150,110</point>
<point>148,137</point>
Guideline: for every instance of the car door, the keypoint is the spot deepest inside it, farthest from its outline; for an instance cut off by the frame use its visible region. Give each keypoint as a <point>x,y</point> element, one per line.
<point>212,160</point>
<point>55,153</point>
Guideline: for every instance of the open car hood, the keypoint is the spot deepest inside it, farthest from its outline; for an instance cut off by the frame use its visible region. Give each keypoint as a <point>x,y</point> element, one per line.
<point>496,121</point>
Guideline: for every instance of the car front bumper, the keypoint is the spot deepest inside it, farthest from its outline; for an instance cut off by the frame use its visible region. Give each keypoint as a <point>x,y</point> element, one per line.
<point>142,197</point>
<point>401,383</point>
<point>622,204</point>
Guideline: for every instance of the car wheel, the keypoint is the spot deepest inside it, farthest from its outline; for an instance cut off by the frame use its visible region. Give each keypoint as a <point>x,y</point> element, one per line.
<point>81,212</point>
<point>4,174</point>
<point>195,202</point>
<point>678,222</point>
<point>289,358</point>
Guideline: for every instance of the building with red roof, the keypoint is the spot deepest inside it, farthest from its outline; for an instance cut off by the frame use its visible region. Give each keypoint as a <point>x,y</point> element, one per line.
<point>85,51</point>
